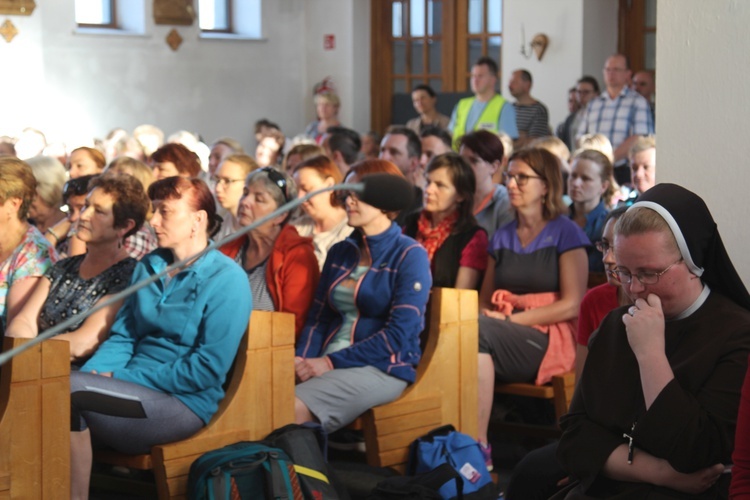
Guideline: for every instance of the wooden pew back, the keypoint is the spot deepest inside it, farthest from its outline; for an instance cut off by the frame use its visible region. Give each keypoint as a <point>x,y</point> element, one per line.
<point>259,398</point>
<point>35,421</point>
<point>445,391</point>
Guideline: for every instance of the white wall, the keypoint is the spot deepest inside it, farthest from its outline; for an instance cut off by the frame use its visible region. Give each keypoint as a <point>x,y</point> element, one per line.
<point>348,63</point>
<point>702,108</point>
<point>77,86</point>
<point>599,36</point>
<point>582,33</point>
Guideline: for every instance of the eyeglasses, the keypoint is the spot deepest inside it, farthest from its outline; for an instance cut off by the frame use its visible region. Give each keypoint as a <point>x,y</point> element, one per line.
<point>277,178</point>
<point>626,277</point>
<point>225,181</point>
<point>341,196</point>
<point>521,179</point>
<point>603,246</point>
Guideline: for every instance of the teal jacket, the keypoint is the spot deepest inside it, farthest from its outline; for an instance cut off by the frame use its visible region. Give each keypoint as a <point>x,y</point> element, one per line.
<point>180,337</point>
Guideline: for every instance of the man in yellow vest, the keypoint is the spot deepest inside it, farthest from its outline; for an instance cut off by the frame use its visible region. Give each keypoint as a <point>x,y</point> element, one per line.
<point>487,110</point>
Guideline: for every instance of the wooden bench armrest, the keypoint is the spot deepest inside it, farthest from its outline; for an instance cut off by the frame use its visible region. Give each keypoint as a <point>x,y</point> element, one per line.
<point>445,390</point>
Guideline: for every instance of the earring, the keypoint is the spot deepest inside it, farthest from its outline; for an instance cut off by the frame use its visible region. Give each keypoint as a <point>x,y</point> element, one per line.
<point>119,244</point>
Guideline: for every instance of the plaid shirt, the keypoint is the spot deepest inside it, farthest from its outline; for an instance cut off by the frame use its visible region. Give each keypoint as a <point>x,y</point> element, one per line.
<point>142,242</point>
<point>627,114</point>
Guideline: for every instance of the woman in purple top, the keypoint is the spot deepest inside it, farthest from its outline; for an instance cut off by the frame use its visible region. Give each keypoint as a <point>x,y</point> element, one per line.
<point>535,279</point>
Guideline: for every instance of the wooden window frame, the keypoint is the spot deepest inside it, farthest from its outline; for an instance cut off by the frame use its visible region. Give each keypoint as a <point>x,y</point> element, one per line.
<point>463,70</point>
<point>381,57</point>
<point>631,32</point>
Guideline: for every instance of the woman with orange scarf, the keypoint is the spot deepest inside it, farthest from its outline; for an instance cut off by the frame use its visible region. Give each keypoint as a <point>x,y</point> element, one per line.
<point>455,243</point>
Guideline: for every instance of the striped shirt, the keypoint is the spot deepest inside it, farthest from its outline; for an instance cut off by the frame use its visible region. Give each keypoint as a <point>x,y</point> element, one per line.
<point>627,114</point>
<point>532,119</point>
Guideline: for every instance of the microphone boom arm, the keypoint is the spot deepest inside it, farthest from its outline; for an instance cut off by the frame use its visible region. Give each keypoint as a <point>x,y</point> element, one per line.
<point>287,207</point>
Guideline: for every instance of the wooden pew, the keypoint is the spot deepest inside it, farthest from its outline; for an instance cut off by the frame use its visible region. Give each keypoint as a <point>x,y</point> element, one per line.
<point>35,421</point>
<point>259,398</point>
<point>445,391</point>
<point>559,391</point>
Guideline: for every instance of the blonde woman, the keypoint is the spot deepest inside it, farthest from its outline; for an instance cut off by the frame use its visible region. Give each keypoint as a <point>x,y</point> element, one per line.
<point>327,110</point>
<point>24,253</point>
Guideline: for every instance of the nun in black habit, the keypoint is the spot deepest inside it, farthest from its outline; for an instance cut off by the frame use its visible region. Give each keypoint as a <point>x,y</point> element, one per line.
<point>654,413</point>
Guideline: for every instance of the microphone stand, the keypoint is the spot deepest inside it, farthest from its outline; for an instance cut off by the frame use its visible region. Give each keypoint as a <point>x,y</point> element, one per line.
<point>61,327</point>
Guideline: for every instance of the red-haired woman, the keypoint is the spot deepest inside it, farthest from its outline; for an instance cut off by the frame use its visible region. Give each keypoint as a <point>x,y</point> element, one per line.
<point>158,377</point>
<point>360,345</point>
<point>175,160</point>
<point>325,217</point>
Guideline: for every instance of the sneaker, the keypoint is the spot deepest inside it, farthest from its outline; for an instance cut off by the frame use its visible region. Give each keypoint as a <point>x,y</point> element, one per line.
<point>347,440</point>
<point>487,455</point>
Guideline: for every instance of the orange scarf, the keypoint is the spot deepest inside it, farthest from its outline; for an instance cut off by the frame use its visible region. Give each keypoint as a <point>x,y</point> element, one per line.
<point>432,238</point>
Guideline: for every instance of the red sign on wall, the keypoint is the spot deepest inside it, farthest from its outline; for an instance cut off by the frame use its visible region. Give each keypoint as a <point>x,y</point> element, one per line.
<point>329,42</point>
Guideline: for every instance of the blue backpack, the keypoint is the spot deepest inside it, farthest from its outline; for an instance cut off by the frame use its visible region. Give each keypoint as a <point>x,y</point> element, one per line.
<point>462,453</point>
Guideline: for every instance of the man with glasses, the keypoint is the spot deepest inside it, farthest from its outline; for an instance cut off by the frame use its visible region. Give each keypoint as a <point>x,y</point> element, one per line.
<point>619,113</point>
<point>655,410</point>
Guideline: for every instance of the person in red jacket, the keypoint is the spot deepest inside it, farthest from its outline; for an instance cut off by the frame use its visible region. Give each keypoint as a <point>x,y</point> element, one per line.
<point>280,264</point>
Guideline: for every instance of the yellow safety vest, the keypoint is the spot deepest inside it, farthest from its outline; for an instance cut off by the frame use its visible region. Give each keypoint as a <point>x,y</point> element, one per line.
<point>487,120</point>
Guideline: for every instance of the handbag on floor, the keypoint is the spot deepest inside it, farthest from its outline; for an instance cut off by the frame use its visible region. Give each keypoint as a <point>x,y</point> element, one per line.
<point>446,445</point>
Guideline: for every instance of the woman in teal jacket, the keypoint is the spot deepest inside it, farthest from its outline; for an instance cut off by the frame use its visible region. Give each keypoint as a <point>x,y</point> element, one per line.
<point>360,345</point>
<point>158,378</point>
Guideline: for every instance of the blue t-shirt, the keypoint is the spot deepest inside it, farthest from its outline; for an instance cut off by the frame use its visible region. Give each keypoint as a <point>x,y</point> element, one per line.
<point>535,267</point>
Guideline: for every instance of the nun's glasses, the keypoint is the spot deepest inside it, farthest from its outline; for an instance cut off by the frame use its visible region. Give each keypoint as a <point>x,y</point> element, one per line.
<point>645,278</point>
